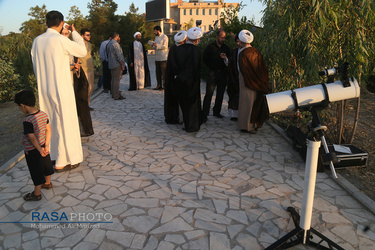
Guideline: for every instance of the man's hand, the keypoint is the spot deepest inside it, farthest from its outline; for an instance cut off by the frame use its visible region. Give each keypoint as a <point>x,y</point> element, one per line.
<point>223,55</point>
<point>77,66</point>
<point>71,27</point>
<point>131,65</point>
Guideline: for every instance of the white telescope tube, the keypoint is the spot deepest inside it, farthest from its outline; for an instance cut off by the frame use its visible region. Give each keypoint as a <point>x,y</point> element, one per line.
<point>311,95</point>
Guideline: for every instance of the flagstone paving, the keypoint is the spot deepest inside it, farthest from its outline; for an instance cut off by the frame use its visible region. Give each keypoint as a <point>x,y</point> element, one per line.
<point>163,188</point>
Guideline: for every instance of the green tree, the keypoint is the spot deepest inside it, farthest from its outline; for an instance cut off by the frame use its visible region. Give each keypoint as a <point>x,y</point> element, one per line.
<point>37,24</point>
<point>15,48</point>
<point>9,80</point>
<point>102,19</point>
<point>75,16</point>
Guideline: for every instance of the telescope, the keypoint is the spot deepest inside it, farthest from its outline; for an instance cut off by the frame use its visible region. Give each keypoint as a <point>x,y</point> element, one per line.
<point>312,98</point>
<point>315,95</point>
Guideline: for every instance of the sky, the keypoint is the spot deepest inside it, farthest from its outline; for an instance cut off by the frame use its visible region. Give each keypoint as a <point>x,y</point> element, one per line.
<point>14,12</point>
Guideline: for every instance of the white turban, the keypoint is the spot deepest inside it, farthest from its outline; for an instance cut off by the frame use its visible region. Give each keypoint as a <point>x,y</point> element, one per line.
<point>194,33</point>
<point>180,36</point>
<point>137,33</point>
<point>246,36</point>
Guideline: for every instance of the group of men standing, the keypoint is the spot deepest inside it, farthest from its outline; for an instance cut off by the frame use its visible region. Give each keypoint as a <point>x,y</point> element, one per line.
<point>244,66</point>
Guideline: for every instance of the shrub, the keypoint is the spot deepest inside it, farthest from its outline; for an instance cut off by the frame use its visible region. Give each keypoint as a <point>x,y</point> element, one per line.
<point>9,80</point>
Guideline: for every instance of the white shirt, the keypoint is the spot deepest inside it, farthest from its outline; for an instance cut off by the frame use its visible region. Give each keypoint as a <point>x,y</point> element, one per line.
<point>161,49</point>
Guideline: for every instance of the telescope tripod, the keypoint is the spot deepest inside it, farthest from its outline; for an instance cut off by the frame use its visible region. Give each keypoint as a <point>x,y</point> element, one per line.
<point>303,233</point>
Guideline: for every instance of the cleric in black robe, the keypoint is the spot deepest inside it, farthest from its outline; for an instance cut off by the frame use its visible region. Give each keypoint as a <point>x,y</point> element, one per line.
<point>186,69</point>
<point>233,88</point>
<point>81,85</point>
<point>171,105</point>
<point>143,70</point>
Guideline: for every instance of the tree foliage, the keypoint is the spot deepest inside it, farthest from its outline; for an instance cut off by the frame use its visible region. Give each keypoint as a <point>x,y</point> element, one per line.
<point>15,51</point>
<point>300,37</point>
<point>9,80</point>
<point>75,17</point>
<point>102,19</point>
<point>37,24</point>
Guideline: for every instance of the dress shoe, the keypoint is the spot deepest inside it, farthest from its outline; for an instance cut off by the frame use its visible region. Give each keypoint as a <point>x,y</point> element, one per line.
<point>157,88</point>
<point>120,98</point>
<point>233,118</point>
<point>87,135</point>
<point>105,91</point>
<point>91,109</point>
<point>66,168</point>
<point>219,115</point>
<point>248,131</point>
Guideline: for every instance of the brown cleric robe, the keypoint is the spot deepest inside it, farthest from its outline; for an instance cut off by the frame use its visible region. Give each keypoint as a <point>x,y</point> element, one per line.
<point>254,81</point>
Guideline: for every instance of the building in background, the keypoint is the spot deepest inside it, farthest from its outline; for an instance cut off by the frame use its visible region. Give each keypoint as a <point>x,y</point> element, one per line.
<point>204,14</point>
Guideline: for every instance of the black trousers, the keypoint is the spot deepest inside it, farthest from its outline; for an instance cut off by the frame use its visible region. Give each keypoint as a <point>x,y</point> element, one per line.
<point>106,76</point>
<point>160,67</point>
<point>218,79</point>
<point>39,166</point>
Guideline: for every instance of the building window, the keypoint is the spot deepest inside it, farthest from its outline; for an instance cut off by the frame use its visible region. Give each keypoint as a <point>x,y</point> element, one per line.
<point>197,12</point>
<point>191,12</point>
<point>184,12</point>
<point>203,12</point>
<point>204,28</point>
<point>210,12</point>
<point>216,12</point>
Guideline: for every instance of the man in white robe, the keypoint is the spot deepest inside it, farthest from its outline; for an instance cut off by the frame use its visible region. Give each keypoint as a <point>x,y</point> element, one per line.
<point>139,64</point>
<point>139,73</point>
<point>50,55</point>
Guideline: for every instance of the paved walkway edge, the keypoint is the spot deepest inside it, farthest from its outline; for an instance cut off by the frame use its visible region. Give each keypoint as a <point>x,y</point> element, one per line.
<point>341,181</point>
<point>12,162</point>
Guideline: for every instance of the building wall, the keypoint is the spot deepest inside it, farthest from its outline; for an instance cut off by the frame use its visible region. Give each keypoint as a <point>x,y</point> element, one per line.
<point>208,12</point>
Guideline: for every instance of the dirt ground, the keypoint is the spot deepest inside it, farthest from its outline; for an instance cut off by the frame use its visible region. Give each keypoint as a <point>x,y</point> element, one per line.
<point>362,178</point>
<point>10,131</point>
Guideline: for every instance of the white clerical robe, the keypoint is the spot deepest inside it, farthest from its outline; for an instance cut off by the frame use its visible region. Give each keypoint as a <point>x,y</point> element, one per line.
<point>50,55</point>
<point>139,65</point>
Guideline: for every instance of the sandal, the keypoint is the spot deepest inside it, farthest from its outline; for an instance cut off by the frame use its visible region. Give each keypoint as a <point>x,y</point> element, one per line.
<point>74,166</point>
<point>47,186</point>
<point>66,168</point>
<point>32,197</point>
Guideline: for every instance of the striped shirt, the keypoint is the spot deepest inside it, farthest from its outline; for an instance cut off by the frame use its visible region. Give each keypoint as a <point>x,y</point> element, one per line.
<point>34,124</point>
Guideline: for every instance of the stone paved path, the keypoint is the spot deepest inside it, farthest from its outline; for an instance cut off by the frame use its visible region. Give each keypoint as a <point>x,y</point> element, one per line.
<point>162,188</point>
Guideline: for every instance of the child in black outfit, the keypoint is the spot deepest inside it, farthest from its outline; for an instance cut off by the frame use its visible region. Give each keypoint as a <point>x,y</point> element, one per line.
<point>36,140</point>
